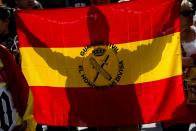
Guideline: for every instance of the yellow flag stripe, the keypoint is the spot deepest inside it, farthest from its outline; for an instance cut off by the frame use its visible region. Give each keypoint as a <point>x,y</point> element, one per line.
<point>142,61</point>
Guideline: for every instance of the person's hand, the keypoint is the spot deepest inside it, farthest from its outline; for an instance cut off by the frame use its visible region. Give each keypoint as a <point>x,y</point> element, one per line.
<point>187,61</point>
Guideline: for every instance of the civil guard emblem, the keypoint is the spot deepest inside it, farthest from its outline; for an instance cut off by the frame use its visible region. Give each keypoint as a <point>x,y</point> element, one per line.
<point>100,67</point>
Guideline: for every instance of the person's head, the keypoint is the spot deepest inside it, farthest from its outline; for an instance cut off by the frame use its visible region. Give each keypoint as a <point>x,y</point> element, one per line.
<point>99,2</point>
<point>28,4</point>
<point>4,20</point>
<point>98,26</point>
<point>187,14</point>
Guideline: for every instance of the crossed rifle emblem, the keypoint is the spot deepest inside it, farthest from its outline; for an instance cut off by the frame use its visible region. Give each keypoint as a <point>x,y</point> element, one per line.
<point>99,68</point>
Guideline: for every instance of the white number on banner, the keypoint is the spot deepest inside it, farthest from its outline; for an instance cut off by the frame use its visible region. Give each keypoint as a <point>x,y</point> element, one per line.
<point>6,111</point>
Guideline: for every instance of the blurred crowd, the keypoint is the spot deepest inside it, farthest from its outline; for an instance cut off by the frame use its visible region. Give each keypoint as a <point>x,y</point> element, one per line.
<point>49,3</point>
<point>9,39</point>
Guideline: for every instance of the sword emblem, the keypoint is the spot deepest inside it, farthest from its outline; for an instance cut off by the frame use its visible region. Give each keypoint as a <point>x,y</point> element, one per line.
<point>99,68</point>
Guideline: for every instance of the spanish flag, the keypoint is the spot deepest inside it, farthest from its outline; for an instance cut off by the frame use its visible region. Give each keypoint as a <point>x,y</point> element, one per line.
<point>111,65</point>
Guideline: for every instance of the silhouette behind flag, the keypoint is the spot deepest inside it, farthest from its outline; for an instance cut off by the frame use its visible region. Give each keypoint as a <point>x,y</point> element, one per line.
<point>111,65</point>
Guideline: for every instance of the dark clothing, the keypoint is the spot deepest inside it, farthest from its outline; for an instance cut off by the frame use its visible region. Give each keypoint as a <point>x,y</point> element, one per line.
<point>78,3</point>
<point>178,127</point>
<point>10,41</point>
<point>10,3</point>
<point>194,4</point>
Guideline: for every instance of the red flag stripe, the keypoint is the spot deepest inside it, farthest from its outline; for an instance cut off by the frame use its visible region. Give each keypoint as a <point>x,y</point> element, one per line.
<point>135,25</point>
<point>87,106</point>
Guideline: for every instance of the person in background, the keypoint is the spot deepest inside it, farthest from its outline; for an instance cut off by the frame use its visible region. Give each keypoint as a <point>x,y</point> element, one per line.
<point>22,4</point>
<point>188,44</point>
<point>8,36</point>
<point>188,33</point>
<point>194,20</point>
<point>194,4</point>
<point>99,2</point>
<point>78,3</point>
<point>15,96</point>
<point>9,42</point>
<point>28,4</point>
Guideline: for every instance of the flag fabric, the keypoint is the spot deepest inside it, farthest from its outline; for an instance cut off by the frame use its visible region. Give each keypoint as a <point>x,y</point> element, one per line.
<point>112,65</point>
<point>21,97</point>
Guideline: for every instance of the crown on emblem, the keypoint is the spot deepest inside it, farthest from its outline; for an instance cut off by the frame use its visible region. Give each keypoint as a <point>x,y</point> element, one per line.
<point>99,51</point>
